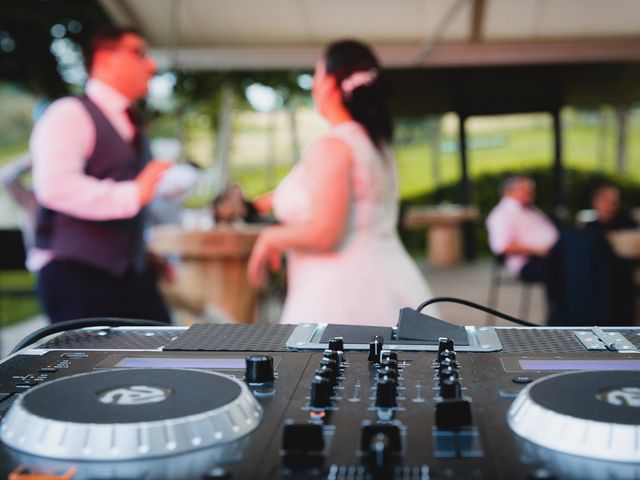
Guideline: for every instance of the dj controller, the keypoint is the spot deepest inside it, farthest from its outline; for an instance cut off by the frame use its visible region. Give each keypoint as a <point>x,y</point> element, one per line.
<point>323,402</point>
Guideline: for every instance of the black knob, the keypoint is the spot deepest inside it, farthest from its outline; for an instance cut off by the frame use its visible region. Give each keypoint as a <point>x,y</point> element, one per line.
<point>386,371</point>
<point>327,373</point>
<point>375,349</point>
<point>332,354</point>
<point>258,369</point>
<point>389,362</point>
<point>320,392</point>
<point>302,438</point>
<point>330,363</point>
<point>447,373</point>
<point>445,344</point>
<point>388,354</point>
<point>450,388</point>
<point>386,393</point>
<point>336,344</point>
<point>453,414</point>
<point>447,362</point>
<point>446,354</point>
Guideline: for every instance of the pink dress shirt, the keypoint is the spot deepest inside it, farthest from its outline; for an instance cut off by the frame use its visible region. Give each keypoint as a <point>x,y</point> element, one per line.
<point>61,142</point>
<point>510,221</point>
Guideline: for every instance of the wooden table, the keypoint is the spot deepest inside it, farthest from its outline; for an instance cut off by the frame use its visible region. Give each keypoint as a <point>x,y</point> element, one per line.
<point>444,230</point>
<point>211,270</point>
<point>626,243</point>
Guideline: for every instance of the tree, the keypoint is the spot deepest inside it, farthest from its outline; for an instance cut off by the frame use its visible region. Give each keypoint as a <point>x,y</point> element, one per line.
<point>27,30</point>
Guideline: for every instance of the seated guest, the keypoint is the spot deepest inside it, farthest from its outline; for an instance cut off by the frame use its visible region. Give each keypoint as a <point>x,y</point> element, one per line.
<point>605,200</point>
<point>519,231</point>
<point>231,206</point>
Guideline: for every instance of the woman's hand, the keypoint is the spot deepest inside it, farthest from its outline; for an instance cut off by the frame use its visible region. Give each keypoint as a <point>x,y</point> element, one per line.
<point>265,254</point>
<point>264,203</point>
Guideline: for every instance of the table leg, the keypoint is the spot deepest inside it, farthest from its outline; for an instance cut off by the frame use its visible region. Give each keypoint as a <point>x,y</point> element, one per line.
<point>444,245</point>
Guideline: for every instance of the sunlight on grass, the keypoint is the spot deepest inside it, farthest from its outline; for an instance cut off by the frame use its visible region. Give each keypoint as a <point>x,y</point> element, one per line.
<point>496,144</point>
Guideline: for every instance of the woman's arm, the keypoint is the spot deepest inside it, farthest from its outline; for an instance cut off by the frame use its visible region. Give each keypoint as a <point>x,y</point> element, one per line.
<point>330,191</point>
<point>264,203</point>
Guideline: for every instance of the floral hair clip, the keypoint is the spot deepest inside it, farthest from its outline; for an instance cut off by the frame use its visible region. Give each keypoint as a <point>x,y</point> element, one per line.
<point>358,79</point>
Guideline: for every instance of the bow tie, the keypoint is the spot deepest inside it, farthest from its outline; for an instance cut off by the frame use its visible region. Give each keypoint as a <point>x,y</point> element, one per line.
<point>136,122</point>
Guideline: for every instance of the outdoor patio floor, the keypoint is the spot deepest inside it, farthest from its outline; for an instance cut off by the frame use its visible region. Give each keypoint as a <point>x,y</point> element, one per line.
<point>468,281</point>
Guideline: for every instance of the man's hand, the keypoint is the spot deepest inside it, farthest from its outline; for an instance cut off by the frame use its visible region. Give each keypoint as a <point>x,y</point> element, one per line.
<point>162,267</point>
<point>515,248</point>
<point>149,178</point>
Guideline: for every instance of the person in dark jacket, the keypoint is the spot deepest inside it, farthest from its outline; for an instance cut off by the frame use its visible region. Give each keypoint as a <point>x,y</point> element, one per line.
<point>605,200</point>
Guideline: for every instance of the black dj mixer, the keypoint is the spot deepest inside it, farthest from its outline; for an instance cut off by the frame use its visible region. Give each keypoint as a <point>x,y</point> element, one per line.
<point>322,402</point>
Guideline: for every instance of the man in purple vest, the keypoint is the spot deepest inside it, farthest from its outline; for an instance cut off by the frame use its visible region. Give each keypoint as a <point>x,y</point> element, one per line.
<point>93,175</point>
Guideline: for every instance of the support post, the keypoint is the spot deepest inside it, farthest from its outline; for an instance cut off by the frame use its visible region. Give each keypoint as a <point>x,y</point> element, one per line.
<point>468,241</point>
<point>560,212</point>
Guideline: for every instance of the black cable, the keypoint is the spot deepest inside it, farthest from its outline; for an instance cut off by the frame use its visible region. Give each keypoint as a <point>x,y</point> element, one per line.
<point>468,303</point>
<point>82,323</point>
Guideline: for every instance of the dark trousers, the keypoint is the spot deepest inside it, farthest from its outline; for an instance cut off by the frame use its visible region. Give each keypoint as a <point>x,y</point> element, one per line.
<point>533,270</point>
<point>70,290</point>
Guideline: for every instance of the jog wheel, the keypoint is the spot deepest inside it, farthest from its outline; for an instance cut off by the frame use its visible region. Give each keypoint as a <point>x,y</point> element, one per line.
<point>593,414</point>
<point>130,414</point>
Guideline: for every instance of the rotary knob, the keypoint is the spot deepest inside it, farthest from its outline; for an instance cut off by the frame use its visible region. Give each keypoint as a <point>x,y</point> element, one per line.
<point>332,354</point>
<point>336,344</point>
<point>386,393</point>
<point>388,354</point>
<point>447,362</point>
<point>386,371</point>
<point>447,372</point>
<point>445,344</point>
<point>388,362</point>
<point>320,392</point>
<point>330,363</point>
<point>450,388</point>
<point>258,369</point>
<point>444,355</point>
<point>327,373</point>
<point>375,349</point>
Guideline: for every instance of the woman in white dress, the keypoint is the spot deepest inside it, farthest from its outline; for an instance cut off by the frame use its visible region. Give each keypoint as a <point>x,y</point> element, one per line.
<point>338,207</point>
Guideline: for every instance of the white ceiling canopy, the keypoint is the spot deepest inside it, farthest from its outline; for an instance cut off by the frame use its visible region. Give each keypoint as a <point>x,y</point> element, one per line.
<point>285,34</point>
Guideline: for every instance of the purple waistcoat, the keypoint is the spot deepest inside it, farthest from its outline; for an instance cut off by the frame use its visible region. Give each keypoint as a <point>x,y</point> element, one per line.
<point>116,246</point>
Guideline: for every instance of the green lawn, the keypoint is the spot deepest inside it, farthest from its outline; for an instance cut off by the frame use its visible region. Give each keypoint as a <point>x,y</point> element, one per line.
<point>586,146</point>
<point>16,308</point>
<point>8,154</point>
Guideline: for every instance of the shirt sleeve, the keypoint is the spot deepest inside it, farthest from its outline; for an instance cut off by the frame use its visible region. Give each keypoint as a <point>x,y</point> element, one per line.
<point>500,231</point>
<point>60,144</point>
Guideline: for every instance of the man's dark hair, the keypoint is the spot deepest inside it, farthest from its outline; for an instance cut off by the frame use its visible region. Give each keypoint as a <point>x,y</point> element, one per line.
<point>104,37</point>
<point>512,181</point>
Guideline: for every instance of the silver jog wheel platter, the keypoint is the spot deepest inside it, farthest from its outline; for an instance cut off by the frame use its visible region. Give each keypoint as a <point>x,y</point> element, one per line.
<point>131,414</point>
<point>594,414</point>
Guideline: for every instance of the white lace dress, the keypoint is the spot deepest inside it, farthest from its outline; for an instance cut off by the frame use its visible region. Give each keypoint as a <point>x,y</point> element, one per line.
<point>369,276</point>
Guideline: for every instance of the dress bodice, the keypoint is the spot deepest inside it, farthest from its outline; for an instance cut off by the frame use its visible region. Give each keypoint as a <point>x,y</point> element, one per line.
<point>373,185</point>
